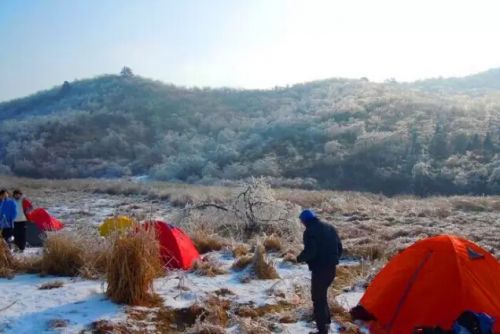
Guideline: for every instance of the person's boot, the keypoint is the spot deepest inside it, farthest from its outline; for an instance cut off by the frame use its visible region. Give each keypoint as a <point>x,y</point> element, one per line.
<point>322,330</point>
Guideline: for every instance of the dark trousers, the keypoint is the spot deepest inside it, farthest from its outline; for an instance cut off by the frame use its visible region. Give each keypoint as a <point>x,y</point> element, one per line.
<point>20,235</point>
<point>7,233</point>
<point>321,279</point>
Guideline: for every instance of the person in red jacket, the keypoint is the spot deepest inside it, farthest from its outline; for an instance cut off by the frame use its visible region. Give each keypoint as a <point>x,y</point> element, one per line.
<point>24,208</point>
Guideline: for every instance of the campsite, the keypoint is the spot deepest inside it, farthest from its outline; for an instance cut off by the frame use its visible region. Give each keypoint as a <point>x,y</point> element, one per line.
<point>222,291</point>
<point>249,167</point>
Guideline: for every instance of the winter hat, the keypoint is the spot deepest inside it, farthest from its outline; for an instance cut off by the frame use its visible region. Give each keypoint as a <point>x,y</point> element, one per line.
<point>307,216</point>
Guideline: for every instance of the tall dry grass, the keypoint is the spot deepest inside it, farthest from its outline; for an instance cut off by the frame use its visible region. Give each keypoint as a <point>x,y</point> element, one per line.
<point>7,261</point>
<point>261,267</point>
<point>133,264</point>
<point>68,253</point>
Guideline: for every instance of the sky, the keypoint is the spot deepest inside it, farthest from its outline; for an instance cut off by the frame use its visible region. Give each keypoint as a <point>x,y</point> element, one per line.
<point>243,43</point>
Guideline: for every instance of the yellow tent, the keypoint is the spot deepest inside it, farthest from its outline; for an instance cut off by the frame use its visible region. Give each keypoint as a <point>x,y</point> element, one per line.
<point>117,224</point>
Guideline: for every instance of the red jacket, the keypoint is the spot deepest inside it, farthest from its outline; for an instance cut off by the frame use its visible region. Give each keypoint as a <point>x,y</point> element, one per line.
<point>27,207</point>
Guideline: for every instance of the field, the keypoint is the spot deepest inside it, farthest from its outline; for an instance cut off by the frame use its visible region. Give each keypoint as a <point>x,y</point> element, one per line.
<point>247,281</point>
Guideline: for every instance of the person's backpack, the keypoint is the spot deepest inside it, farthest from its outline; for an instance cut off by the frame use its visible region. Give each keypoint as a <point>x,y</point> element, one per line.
<point>474,323</point>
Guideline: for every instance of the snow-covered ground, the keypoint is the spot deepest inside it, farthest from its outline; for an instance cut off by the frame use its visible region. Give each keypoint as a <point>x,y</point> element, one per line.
<point>78,303</point>
<point>27,309</point>
<point>87,208</point>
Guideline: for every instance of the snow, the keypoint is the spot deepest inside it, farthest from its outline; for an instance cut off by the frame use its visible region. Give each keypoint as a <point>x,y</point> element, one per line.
<point>184,289</point>
<point>80,302</point>
<point>350,299</point>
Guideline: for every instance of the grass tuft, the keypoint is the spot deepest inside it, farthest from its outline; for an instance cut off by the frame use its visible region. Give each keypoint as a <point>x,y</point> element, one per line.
<point>133,264</point>
<point>273,244</point>
<point>261,267</point>
<point>242,262</point>
<point>208,267</point>
<point>51,285</point>
<point>7,261</point>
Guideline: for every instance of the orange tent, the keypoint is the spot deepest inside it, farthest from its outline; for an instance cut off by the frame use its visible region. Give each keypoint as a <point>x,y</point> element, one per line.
<point>431,283</point>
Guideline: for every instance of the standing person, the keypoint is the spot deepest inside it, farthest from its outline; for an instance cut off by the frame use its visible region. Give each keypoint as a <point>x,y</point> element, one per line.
<point>24,207</point>
<point>8,213</point>
<point>322,251</point>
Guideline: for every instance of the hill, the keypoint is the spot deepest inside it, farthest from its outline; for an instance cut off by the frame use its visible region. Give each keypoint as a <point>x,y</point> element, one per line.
<point>476,84</point>
<point>338,133</point>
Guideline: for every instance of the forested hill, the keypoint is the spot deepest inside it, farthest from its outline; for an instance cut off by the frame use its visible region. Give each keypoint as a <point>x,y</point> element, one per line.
<point>476,84</point>
<point>342,134</point>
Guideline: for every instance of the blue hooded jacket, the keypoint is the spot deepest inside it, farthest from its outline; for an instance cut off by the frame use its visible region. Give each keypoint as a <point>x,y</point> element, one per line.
<point>8,213</point>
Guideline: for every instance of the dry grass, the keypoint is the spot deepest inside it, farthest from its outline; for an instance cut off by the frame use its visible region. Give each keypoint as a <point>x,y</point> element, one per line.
<point>57,323</point>
<point>261,267</point>
<point>250,326</point>
<point>250,311</point>
<point>7,261</point>
<point>240,250</point>
<point>205,242</point>
<point>133,264</point>
<point>242,262</point>
<point>51,285</point>
<point>63,255</point>
<point>107,327</point>
<point>373,251</point>
<point>208,267</point>
<point>177,194</point>
<point>207,328</point>
<point>273,243</point>
<point>338,312</point>
<point>290,258</point>
<point>68,253</point>
<point>29,265</point>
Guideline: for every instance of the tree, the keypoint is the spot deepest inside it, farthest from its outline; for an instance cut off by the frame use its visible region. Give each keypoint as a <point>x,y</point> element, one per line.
<point>126,72</point>
<point>66,87</point>
<point>438,146</point>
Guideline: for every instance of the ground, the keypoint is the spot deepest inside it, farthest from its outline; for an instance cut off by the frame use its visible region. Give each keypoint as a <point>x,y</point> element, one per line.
<point>373,228</point>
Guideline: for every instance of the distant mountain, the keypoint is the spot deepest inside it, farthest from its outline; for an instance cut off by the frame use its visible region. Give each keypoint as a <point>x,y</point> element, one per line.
<point>477,84</point>
<point>343,134</point>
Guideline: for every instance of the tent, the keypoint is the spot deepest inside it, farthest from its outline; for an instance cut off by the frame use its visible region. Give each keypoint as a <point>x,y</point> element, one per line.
<point>431,283</point>
<point>116,224</point>
<point>176,248</point>
<point>40,221</point>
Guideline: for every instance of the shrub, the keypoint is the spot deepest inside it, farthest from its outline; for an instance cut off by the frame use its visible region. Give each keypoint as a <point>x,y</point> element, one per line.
<point>133,264</point>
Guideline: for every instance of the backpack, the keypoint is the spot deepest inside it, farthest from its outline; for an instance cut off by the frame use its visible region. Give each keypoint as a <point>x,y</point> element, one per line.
<point>474,323</point>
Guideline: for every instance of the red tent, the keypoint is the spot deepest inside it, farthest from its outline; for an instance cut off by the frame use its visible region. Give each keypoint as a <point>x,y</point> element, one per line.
<point>176,248</point>
<point>44,221</point>
<point>431,283</point>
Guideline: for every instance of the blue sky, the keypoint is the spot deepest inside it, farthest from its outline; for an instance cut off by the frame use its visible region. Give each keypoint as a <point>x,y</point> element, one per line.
<point>243,43</point>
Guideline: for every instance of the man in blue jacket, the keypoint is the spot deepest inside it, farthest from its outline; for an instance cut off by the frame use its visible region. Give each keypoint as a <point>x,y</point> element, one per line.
<point>8,213</point>
<point>322,251</point>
